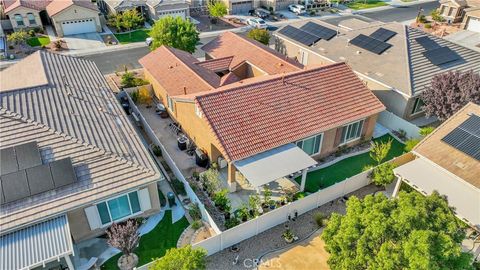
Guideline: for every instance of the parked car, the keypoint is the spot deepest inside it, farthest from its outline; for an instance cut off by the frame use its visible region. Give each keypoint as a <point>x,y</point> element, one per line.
<point>297,9</point>
<point>260,13</point>
<point>148,41</point>
<point>257,23</point>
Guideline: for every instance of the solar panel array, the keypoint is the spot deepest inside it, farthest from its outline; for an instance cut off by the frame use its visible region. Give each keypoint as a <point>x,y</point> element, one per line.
<point>466,137</point>
<point>441,55</point>
<point>299,35</point>
<point>370,44</point>
<point>383,34</point>
<point>427,43</point>
<point>23,174</point>
<point>319,30</point>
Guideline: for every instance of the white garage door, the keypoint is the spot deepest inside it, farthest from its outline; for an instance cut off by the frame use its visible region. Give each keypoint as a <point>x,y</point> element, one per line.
<point>78,27</point>
<point>474,24</point>
<point>174,13</point>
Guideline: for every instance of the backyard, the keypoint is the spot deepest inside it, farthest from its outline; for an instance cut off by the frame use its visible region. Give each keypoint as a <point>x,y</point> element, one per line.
<point>38,41</point>
<point>348,167</point>
<point>155,243</point>
<point>360,4</point>
<point>135,36</point>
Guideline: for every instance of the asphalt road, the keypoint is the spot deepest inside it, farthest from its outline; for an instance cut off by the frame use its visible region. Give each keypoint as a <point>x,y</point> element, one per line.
<point>109,62</point>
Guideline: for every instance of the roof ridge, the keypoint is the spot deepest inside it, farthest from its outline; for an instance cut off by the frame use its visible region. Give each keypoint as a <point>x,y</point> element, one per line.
<point>408,55</point>
<point>72,139</point>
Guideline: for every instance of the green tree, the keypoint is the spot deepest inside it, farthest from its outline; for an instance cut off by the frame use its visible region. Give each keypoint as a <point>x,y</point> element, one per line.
<point>379,150</point>
<point>184,258</point>
<point>409,232</point>
<point>115,20</point>
<point>131,19</point>
<point>217,9</point>
<point>382,175</point>
<point>260,35</point>
<point>18,38</point>
<point>174,32</point>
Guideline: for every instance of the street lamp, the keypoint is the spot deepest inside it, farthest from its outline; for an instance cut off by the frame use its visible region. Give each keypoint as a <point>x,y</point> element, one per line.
<point>420,10</point>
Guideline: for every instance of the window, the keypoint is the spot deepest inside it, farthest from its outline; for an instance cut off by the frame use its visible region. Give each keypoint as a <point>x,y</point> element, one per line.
<point>31,19</point>
<point>170,103</point>
<point>19,20</point>
<point>352,131</point>
<point>119,207</point>
<point>311,145</point>
<point>417,106</point>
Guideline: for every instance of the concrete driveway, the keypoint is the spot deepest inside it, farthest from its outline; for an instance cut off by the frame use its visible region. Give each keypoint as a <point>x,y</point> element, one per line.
<point>84,41</point>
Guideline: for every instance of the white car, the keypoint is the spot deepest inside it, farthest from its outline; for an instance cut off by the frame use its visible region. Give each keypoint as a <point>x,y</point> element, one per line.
<point>257,23</point>
<point>148,41</point>
<point>297,9</point>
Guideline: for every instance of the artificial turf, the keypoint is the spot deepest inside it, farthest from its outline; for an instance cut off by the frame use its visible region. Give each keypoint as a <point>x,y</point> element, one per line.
<point>136,36</point>
<point>155,243</point>
<point>38,41</point>
<point>348,167</point>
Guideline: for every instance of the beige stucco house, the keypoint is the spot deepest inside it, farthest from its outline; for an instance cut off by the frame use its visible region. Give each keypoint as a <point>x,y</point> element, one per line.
<point>67,17</point>
<point>150,9</point>
<point>465,11</point>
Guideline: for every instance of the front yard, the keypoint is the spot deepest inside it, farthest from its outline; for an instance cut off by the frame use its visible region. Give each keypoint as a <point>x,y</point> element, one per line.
<point>155,243</point>
<point>135,36</point>
<point>359,4</point>
<point>38,41</point>
<point>348,167</point>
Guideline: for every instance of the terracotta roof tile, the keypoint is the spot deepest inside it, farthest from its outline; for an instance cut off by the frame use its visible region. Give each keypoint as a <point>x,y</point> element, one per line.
<point>176,70</point>
<point>255,117</point>
<point>218,64</point>
<point>57,6</point>
<point>36,5</point>
<point>244,49</point>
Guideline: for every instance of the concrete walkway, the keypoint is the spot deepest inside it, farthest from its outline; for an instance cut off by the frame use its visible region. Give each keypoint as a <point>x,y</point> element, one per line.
<point>50,33</point>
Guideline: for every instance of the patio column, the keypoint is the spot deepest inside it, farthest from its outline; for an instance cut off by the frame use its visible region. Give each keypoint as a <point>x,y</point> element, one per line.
<point>397,187</point>
<point>232,185</point>
<point>69,262</point>
<point>304,179</point>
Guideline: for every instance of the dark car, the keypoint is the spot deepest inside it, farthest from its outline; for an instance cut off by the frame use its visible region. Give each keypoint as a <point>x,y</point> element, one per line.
<point>261,14</point>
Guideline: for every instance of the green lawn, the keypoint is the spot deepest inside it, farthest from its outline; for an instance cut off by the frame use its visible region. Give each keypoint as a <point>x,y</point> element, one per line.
<point>135,36</point>
<point>359,4</point>
<point>155,243</point>
<point>348,167</point>
<point>38,41</point>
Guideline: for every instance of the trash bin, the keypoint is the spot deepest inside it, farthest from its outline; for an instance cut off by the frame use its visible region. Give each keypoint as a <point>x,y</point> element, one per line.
<point>171,199</point>
<point>200,158</point>
<point>182,143</point>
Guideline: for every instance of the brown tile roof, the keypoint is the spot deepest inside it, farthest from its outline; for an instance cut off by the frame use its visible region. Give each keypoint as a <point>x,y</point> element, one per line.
<point>36,5</point>
<point>57,6</point>
<point>218,64</point>
<point>229,78</point>
<point>244,49</point>
<point>446,156</point>
<point>178,72</point>
<point>255,117</point>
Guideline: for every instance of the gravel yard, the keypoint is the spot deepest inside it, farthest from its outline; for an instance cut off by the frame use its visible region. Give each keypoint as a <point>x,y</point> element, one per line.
<point>253,248</point>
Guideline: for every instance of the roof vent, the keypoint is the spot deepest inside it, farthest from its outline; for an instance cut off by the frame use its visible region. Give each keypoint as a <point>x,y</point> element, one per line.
<point>358,52</point>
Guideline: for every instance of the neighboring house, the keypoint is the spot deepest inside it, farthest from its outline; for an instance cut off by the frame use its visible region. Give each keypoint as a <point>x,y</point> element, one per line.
<point>471,20</point>
<point>71,161</point>
<point>254,110</point>
<point>150,9</point>
<point>395,61</point>
<point>452,10</point>
<point>448,161</point>
<point>68,17</point>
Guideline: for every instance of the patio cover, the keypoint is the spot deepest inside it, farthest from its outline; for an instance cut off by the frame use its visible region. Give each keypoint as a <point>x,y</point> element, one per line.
<point>35,245</point>
<point>268,166</point>
<point>429,177</point>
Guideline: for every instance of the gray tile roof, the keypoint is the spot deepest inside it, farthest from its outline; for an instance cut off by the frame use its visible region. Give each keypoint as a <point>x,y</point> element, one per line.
<point>77,116</point>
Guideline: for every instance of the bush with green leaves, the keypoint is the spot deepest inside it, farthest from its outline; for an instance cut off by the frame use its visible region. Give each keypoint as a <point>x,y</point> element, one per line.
<point>232,222</point>
<point>157,150</point>
<point>217,9</point>
<point>379,150</point>
<point>128,20</point>
<point>175,32</point>
<point>179,186</point>
<point>260,35</point>
<point>211,181</point>
<point>134,96</point>
<point>184,258</point>
<point>129,80</point>
<point>267,195</point>
<point>254,204</point>
<point>382,175</point>
<point>424,131</point>
<point>221,200</point>
<point>319,219</point>
<point>410,144</point>
<point>436,16</point>
<point>197,224</point>
<point>194,211</point>
<point>18,37</point>
<point>243,212</point>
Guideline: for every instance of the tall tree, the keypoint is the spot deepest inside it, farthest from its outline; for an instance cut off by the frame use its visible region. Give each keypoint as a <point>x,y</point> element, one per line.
<point>124,237</point>
<point>379,150</point>
<point>260,35</point>
<point>131,19</point>
<point>408,232</point>
<point>174,32</point>
<point>115,20</point>
<point>449,92</point>
<point>184,258</point>
<point>217,9</point>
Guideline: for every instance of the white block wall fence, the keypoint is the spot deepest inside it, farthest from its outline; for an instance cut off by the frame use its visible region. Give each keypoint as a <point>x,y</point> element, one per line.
<point>393,122</point>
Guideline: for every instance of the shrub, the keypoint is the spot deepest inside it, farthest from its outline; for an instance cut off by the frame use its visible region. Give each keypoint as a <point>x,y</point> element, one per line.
<point>254,204</point>
<point>211,182</point>
<point>181,259</point>
<point>179,186</point>
<point>221,200</point>
<point>195,212</point>
<point>422,19</point>
<point>436,16</point>
<point>382,175</point>
<point>124,237</point>
<point>267,194</point>
<point>243,212</point>
<point>127,79</point>
<point>379,150</point>
<point>134,96</point>
<point>409,144</point>
<point>31,33</point>
<point>428,26</point>
<point>230,223</point>
<point>319,217</point>
<point>197,224</point>
<point>260,35</point>
<point>299,195</point>
<point>157,150</point>
<point>161,196</point>
<point>426,130</point>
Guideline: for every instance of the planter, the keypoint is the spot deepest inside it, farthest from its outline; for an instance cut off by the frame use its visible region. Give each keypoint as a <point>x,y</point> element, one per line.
<point>127,262</point>
<point>288,240</point>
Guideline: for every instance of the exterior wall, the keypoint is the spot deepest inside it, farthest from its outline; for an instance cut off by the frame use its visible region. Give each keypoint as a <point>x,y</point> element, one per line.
<point>294,51</point>
<point>80,229</point>
<point>173,9</point>
<point>75,13</point>
<point>454,14</point>
<point>470,16</point>
<point>23,11</point>
<point>409,108</point>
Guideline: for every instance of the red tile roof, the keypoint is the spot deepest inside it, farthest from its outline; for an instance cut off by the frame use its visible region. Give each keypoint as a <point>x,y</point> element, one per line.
<point>57,6</point>
<point>177,72</point>
<point>256,117</point>
<point>36,4</point>
<point>219,64</point>
<point>244,49</point>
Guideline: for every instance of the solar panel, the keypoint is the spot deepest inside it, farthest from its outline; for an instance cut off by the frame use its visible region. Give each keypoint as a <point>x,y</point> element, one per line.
<point>28,155</point>
<point>466,137</point>
<point>15,186</point>
<point>62,172</point>
<point>370,44</point>
<point>319,30</point>
<point>427,43</point>
<point>383,34</point>
<point>8,162</point>
<point>40,179</point>
<point>441,55</point>
<point>299,35</point>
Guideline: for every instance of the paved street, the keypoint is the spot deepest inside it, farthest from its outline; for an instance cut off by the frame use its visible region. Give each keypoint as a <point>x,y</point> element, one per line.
<point>401,14</point>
